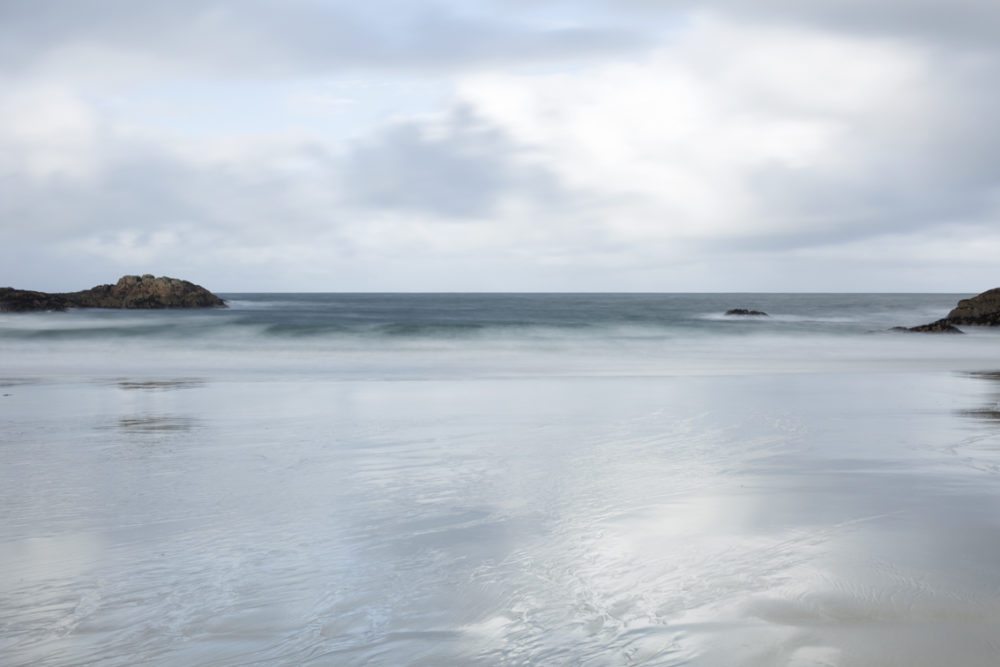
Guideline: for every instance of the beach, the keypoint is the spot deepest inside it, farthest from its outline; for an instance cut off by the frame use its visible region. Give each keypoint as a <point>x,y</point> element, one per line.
<point>500,480</point>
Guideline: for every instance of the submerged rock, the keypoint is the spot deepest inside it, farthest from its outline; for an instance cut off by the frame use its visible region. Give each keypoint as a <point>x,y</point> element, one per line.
<point>939,326</point>
<point>23,301</point>
<point>145,291</point>
<point>745,312</point>
<point>982,310</point>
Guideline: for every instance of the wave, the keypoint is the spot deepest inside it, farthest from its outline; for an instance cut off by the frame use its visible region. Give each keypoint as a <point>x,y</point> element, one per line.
<point>777,317</point>
<point>396,319</point>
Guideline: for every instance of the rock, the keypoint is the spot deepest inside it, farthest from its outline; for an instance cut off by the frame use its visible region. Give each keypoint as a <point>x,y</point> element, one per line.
<point>980,310</point>
<point>146,292</point>
<point>22,301</point>
<point>129,292</point>
<point>745,312</point>
<point>983,310</point>
<point>940,326</point>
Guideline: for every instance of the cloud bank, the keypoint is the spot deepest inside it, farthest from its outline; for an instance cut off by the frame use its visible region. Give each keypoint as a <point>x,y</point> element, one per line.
<point>521,146</point>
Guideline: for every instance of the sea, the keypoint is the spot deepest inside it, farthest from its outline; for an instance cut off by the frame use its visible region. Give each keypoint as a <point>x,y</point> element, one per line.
<point>500,479</point>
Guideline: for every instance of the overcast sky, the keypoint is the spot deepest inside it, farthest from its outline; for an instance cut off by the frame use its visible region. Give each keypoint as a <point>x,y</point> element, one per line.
<point>502,145</point>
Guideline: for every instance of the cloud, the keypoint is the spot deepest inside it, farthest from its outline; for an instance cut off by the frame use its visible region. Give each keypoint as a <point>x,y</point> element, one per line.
<point>458,168</point>
<point>744,150</point>
<point>961,23</point>
<point>259,209</point>
<point>263,39</point>
<point>792,134</point>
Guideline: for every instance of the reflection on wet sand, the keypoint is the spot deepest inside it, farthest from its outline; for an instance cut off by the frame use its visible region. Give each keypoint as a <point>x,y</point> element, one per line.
<point>154,423</point>
<point>17,382</point>
<point>989,414</point>
<point>991,410</point>
<point>160,385</point>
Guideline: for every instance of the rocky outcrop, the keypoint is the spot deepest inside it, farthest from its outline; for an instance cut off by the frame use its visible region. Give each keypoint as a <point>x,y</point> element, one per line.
<point>939,326</point>
<point>23,301</point>
<point>146,292</point>
<point>982,310</point>
<point>129,292</point>
<point>745,312</point>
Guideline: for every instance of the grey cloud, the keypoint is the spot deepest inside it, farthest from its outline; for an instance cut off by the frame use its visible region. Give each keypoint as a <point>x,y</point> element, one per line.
<point>266,38</point>
<point>958,23</point>
<point>148,210</point>
<point>141,188</point>
<point>934,165</point>
<point>460,169</point>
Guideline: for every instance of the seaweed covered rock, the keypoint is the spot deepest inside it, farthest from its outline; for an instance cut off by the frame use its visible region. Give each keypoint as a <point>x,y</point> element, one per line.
<point>23,301</point>
<point>938,326</point>
<point>982,310</point>
<point>129,292</point>
<point>146,292</point>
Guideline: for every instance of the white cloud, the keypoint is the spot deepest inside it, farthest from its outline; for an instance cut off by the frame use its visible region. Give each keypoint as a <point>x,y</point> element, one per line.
<point>674,144</point>
<point>46,132</point>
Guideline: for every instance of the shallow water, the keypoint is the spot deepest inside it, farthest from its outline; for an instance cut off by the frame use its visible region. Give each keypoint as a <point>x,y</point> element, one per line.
<point>697,497</point>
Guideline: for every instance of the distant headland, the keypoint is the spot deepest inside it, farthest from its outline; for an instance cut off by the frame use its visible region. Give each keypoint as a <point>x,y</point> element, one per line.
<point>139,292</point>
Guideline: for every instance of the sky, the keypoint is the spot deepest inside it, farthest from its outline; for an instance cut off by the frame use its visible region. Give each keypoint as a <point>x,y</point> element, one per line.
<point>502,145</point>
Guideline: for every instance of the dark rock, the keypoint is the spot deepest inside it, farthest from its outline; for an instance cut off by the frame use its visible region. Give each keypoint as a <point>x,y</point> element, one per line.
<point>129,292</point>
<point>146,292</point>
<point>983,310</point>
<point>745,312</point>
<point>940,326</point>
<point>980,310</point>
<point>23,301</point>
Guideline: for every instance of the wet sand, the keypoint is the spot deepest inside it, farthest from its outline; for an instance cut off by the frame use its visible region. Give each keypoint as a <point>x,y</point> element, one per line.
<point>847,518</point>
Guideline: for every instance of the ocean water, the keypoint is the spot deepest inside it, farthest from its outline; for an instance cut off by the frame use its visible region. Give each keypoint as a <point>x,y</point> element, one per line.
<point>634,479</point>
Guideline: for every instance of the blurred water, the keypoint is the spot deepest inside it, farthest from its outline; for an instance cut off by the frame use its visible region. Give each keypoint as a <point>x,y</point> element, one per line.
<point>797,492</point>
<point>338,318</point>
<point>430,335</point>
